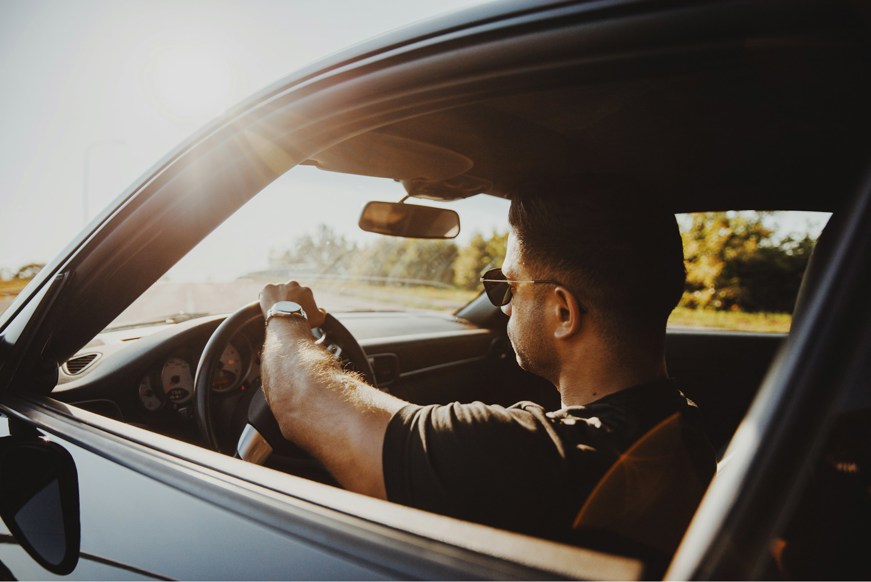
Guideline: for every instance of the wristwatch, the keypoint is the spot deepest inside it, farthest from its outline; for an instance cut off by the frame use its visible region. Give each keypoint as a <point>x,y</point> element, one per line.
<point>285,309</point>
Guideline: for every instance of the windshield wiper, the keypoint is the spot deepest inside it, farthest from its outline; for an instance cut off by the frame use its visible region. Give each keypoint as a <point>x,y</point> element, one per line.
<point>164,320</point>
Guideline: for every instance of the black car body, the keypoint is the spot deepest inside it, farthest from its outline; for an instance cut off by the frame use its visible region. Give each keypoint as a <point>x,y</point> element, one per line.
<point>717,106</point>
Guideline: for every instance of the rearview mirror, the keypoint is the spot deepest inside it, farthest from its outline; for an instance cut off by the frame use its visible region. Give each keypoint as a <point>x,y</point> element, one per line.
<point>409,220</point>
<point>39,500</point>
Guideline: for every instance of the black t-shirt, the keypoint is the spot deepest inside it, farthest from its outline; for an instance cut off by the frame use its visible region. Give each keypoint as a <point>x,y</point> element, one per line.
<point>520,468</point>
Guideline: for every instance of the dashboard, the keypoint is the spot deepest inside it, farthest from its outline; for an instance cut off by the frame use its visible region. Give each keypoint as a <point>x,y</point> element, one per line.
<point>146,376</point>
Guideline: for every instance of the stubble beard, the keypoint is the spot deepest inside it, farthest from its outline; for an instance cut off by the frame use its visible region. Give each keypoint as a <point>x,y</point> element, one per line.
<point>532,352</point>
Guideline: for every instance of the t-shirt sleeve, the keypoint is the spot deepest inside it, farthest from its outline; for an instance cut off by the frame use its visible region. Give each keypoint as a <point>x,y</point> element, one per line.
<point>485,463</point>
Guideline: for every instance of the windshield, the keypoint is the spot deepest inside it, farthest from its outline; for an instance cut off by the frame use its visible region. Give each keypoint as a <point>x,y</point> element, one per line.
<point>743,268</point>
<point>304,227</point>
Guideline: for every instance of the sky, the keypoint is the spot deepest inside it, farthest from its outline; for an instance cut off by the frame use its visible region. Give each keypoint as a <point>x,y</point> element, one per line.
<point>97,91</point>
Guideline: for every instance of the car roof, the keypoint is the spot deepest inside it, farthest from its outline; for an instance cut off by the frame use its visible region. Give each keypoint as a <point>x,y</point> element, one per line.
<point>756,115</point>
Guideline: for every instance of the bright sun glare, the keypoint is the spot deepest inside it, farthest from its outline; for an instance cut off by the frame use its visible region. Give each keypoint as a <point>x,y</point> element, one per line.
<point>188,84</point>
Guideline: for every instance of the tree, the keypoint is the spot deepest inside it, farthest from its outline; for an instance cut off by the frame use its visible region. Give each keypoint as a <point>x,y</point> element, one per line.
<point>325,251</point>
<point>713,240</point>
<point>771,277</point>
<point>411,261</point>
<point>477,256</point>
<point>734,263</point>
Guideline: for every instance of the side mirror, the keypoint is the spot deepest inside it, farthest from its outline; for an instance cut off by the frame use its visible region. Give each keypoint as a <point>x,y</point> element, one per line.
<point>409,220</point>
<point>39,500</point>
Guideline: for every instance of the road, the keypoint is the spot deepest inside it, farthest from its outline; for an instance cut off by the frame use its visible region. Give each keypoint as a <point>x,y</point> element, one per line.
<point>168,298</point>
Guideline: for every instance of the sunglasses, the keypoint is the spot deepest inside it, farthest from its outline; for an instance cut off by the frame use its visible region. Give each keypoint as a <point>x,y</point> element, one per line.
<point>498,287</point>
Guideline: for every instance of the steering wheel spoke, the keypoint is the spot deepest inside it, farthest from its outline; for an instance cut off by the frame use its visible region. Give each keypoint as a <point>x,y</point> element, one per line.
<point>253,446</point>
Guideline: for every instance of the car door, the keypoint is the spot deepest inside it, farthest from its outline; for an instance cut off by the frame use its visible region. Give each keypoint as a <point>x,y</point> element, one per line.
<point>802,446</point>
<point>152,507</point>
<point>150,524</point>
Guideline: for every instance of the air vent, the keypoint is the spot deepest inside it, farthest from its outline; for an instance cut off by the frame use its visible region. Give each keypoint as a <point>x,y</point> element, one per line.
<point>78,364</point>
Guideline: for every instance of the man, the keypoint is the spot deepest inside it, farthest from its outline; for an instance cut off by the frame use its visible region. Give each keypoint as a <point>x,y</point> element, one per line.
<point>588,283</point>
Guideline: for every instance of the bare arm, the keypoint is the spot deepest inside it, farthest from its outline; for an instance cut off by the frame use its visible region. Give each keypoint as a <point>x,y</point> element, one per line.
<point>331,413</point>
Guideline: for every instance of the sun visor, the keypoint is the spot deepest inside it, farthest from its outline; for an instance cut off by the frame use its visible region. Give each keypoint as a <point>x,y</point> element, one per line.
<point>388,156</point>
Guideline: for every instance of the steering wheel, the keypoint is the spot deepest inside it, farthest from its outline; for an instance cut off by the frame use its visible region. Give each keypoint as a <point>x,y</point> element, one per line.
<point>261,435</point>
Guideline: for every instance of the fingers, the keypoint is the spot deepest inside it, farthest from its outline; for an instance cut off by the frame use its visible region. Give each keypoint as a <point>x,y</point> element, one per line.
<point>305,297</point>
<point>292,291</point>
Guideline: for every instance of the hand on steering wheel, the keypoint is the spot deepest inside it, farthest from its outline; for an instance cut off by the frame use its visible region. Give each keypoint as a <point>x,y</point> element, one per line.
<point>293,291</point>
<point>261,435</point>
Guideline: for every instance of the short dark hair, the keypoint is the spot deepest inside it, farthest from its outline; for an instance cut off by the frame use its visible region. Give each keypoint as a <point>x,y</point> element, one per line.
<point>614,248</point>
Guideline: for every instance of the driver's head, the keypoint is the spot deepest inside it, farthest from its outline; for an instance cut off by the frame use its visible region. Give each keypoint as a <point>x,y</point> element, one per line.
<point>619,255</point>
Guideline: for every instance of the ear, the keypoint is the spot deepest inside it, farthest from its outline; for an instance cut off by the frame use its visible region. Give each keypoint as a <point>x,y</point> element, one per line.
<point>567,312</point>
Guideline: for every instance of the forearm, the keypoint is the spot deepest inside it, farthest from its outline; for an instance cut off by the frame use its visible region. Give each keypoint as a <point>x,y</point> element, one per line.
<point>329,412</point>
<point>291,367</point>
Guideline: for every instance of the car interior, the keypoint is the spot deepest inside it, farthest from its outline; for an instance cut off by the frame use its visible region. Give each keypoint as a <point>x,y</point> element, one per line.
<point>772,126</point>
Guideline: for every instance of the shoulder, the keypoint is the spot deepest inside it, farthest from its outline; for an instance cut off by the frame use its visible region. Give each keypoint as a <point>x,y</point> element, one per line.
<point>459,418</point>
<point>616,421</point>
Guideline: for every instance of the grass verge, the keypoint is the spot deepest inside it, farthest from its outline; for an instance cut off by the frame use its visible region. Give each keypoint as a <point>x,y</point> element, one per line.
<point>12,286</point>
<point>732,320</point>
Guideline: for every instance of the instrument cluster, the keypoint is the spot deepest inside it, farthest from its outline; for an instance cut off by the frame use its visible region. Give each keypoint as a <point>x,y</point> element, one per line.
<point>171,384</point>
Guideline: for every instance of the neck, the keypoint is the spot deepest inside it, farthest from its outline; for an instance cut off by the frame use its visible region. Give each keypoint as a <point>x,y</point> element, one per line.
<point>595,373</point>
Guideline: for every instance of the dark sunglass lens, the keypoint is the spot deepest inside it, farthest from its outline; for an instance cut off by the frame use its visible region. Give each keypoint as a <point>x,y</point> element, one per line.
<point>498,291</point>
<point>499,294</point>
<point>503,294</point>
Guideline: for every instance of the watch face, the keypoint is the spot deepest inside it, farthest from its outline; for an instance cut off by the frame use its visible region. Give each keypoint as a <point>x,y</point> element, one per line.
<point>288,307</point>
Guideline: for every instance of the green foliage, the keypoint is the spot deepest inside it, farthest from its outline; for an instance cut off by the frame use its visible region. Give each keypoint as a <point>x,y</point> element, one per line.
<point>477,256</point>
<point>324,252</point>
<point>733,264</point>
<point>769,279</point>
<point>398,260</point>
<point>408,260</point>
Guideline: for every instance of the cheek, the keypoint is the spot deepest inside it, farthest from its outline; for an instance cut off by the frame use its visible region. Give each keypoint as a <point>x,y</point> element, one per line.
<point>516,321</point>
<point>512,319</point>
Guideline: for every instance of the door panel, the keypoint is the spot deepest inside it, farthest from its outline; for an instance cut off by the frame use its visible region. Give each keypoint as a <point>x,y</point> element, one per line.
<point>135,527</point>
<point>721,371</point>
<point>159,507</point>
